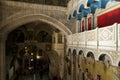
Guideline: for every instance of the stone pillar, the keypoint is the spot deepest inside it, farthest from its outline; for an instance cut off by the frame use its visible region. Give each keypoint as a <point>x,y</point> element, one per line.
<point>74,67</point>
<point>71,67</point>
<point>2,57</point>
<point>77,67</point>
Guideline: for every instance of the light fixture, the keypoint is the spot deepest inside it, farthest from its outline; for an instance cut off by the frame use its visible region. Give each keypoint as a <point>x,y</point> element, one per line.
<point>38,56</point>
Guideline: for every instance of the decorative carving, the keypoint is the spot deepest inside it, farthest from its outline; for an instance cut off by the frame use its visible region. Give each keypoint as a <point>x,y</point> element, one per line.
<point>91,35</point>
<point>106,34</point>
<point>81,38</point>
<point>75,38</point>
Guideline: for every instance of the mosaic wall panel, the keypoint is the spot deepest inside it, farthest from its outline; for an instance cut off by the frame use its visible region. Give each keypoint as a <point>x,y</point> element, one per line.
<point>91,37</point>
<point>107,35</point>
<point>81,38</point>
<point>75,38</point>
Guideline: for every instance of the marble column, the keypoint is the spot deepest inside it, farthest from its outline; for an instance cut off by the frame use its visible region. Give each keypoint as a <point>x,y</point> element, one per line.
<point>2,57</point>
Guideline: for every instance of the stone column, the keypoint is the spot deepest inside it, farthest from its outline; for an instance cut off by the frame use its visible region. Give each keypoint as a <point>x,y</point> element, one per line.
<point>77,67</point>
<point>2,57</point>
<point>71,67</point>
<point>74,67</point>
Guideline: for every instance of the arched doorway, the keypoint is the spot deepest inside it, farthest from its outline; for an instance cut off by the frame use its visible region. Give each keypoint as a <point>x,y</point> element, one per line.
<point>105,59</point>
<point>102,57</point>
<point>27,17</point>
<point>69,51</point>
<point>74,52</point>
<point>81,52</point>
<point>90,55</point>
<point>20,19</point>
<point>27,57</point>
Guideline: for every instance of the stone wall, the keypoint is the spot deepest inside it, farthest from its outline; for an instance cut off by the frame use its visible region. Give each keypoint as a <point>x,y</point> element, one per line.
<point>11,10</point>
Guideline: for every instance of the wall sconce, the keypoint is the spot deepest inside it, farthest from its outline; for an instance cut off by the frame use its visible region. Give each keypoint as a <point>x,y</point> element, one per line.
<point>38,56</point>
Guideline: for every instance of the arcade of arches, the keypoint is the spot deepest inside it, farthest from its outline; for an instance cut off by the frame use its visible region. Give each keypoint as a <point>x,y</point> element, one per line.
<point>60,40</point>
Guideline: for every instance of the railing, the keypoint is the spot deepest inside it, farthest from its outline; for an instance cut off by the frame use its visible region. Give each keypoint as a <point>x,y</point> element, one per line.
<point>103,38</point>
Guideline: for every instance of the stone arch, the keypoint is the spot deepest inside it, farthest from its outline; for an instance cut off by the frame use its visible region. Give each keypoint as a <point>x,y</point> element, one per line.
<point>102,57</point>
<point>24,17</point>
<point>106,58</point>
<point>74,52</point>
<point>80,52</point>
<point>69,51</point>
<point>90,54</point>
<point>88,51</point>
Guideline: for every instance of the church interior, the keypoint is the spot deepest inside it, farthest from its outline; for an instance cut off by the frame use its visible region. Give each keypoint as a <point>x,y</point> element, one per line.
<point>59,39</point>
